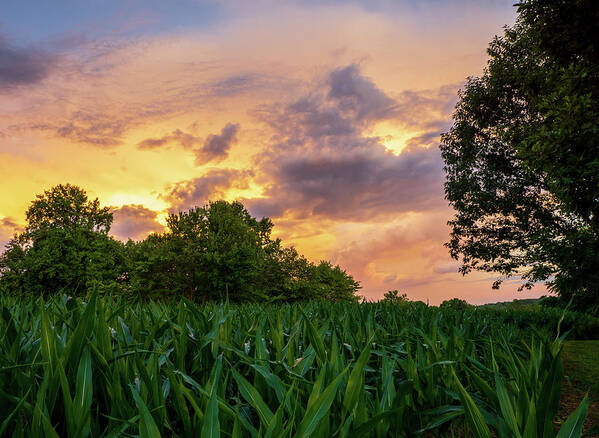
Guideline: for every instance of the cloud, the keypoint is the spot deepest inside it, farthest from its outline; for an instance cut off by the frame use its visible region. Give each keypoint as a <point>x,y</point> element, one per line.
<point>8,227</point>
<point>97,128</point>
<point>427,109</point>
<point>134,222</point>
<point>153,143</point>
<point>99,133</point>
<point>358,95</point>
<point>216,147</point>
<point>236,84</point>
<point>320,162</point>
<point>396,239</point>
<point>343,105</point>
<point>446,267</point>
<point>212,186</point>
<point>184,139</point>
<point>23,66</point>
<point>401,253</point>
<point>359,185</point>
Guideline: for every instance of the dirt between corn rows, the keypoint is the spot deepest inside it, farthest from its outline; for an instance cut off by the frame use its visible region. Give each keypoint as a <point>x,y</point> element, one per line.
<point>569,401</point>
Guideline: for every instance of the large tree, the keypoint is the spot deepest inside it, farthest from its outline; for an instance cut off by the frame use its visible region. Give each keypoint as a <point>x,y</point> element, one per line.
<point>207,253</point>
<point>220,251</point>
<point>65,247</point>
<point>522,156</point>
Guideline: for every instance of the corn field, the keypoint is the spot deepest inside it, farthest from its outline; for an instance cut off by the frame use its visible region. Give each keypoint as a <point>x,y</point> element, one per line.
<point>106,367</point>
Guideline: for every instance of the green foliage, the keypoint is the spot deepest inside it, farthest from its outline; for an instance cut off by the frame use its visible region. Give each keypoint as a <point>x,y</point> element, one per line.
<point>216,252</point>
<point>207,252</point>
<point>103,367</point>
<point>578,325</point>
<point>455,304</point>
<point>580,365</point>
<point>67,207</point>
<point>64,247</point>
<point>220,252</point>
<point>524,403</point>
<point>522,157</point>
<point>393,297</point>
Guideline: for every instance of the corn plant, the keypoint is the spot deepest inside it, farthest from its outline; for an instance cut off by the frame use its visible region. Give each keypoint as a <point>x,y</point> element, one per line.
<point>106,367</point>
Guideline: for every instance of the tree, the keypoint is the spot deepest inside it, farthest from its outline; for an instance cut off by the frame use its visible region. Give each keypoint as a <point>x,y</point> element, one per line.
<point>214,252</point>
<point>65,246</point>
<point>67,207</point>
<point>522,156</point>
<point>207,253</point>
<point>393,297</point>
<point>331,283</point>
<point>220,251</point>
<point>455,304</point>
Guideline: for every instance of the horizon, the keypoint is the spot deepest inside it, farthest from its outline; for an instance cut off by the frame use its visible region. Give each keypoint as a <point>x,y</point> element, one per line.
<point>323,116</point>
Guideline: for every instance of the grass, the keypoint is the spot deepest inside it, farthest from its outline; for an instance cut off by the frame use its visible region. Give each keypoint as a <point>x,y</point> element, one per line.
<point>581,368</point>
<point>581,365</point>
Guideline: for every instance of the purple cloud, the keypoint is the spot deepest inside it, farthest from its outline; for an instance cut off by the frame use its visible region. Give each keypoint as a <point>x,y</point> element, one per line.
<point>23,66</point>
<point>319,161</point>
<point>210,187</point>
<point>184,139</point>
<point>358,95</point>
<point>216,147</point>
<point>359,185</point>
<point>8,227</point>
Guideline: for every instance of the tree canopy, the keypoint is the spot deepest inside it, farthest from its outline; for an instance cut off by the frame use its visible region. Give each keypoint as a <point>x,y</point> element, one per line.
<point>215,252</point>
<point>522,156</point>
<point>65,246</point>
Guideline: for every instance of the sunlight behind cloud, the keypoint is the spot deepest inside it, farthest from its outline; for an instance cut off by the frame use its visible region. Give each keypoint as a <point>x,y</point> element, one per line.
<point>394,139</point>
<point>148,201</point>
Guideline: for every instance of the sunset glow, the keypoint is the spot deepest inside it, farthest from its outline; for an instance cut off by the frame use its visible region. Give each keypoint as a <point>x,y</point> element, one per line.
<point>324,116</point>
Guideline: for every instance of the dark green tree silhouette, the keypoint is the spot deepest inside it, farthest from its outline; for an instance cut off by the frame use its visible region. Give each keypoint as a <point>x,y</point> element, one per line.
<point>522,156</point>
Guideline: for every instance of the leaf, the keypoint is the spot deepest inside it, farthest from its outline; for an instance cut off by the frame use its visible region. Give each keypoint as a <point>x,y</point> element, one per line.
<point>355,383</point>
<point>49,431</point>
<point>253,397</point>
<point>84,391</point>
<point>572,427</point>
<point>6,421</point>
<point>320,407</point>
<point>315,339</point>
<point>473,414</point>
<point>507,408</point>
<point>48,342</point>
<point>211,426</point>
<point>365,429</point>
<point>147,425</point>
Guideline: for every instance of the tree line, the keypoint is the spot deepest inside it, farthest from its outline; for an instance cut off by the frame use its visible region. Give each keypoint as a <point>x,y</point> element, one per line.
<point>215,252</point>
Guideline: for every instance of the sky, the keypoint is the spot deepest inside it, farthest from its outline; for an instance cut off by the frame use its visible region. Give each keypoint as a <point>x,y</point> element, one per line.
<point>322,115</point>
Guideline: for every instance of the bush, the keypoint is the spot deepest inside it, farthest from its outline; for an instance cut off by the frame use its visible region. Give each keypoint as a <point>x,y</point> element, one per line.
<point>393,297</point>
<point>456,304</point>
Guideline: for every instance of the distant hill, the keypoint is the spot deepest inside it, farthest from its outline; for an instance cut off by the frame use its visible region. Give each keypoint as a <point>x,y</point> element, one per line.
<point>515,303</point>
